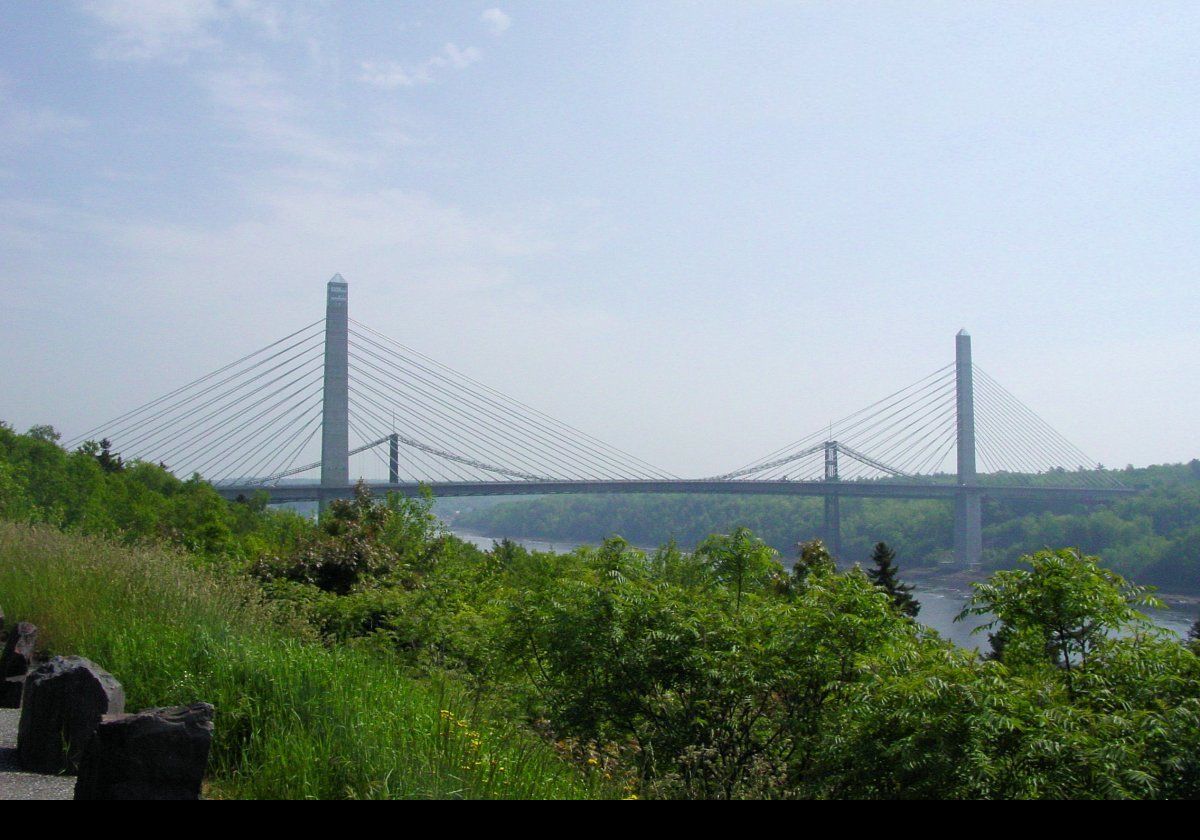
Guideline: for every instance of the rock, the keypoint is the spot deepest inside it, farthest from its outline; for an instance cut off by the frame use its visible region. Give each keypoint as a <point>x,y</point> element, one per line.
<point>62,705</point>
<point>154,754</point>
<point>10,692</point>
<point>18,650</point>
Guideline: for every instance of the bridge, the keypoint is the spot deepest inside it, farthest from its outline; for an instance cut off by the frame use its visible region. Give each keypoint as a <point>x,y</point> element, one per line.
<point>251,426</point>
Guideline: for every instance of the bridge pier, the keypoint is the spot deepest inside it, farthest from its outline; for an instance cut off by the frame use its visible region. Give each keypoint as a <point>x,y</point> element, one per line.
<point>833,525</point>
<point>968,516</point>
<point>968,526</point>
<point>833,503</point>
<point>335,416</point>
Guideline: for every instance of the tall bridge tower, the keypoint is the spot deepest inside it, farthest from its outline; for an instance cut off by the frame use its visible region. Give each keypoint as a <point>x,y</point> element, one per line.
<point>968,517</point>
<point>335,415</point>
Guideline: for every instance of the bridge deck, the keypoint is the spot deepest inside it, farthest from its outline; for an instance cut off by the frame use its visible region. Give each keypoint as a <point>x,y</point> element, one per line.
<point>846,489</point>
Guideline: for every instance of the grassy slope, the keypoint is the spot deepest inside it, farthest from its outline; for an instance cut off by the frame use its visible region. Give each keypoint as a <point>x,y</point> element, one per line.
<point>295,719</point>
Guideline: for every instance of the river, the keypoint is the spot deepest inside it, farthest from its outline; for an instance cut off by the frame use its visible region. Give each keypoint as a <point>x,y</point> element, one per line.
<point>940,601</point>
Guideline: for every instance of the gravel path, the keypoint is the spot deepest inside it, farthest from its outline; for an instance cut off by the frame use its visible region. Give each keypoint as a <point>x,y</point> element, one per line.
<point>15,784</point>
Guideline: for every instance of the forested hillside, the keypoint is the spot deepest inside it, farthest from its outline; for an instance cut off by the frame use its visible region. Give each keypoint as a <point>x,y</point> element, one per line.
<point>1153,537</point>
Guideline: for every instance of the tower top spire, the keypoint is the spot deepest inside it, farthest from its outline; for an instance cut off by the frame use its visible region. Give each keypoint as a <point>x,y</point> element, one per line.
<point>337,292</point>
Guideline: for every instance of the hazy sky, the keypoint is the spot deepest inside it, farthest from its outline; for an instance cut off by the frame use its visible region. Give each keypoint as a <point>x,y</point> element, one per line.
<point>697,230</point>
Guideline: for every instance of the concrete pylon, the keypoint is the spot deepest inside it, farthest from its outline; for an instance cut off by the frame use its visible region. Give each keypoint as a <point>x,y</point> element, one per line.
<point>335,416</point>
<point>968,516</point>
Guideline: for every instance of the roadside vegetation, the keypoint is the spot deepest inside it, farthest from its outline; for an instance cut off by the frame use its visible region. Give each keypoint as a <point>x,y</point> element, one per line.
<point>374,654</point>
<point>296,718</point>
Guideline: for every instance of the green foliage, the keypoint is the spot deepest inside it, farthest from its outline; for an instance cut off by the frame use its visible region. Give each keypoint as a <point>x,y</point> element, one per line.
<point>886,576</point>
<point>813,560</point>
<point>1059,609</point>
<point>295,719</point>
<point>824,689</point>
<point>95,491</point>
<point>347,548</point>
<point>44,433</point>
<point>739,560</point>
<point>373,654</point>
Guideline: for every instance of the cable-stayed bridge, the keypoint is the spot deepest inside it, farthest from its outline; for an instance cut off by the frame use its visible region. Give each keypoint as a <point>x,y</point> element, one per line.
<point>387,414</point>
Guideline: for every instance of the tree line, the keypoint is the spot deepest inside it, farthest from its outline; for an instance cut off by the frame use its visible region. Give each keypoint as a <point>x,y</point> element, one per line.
<point>1152,537</point>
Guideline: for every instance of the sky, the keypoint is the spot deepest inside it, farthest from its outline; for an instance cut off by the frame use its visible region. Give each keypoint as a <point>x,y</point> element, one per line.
<point>697,230</point>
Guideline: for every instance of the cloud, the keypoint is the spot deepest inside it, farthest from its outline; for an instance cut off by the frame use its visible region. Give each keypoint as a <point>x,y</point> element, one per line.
<point>146,29</point>
<point>496,20</point>
<point>392,74</point>
<point>462,58</point>
<point>252,99</point>
<point>266,112</point>
<point>21,125</point>
<point>294,237</point>
<point>25,125</point>
<point>387,74</point>
<point>172,30</point>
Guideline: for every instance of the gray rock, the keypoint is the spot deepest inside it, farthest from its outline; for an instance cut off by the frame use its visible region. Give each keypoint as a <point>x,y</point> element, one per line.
<point>154,754</point>
<point>18,650</point>
<point>10,692</point>
<point>62,705</point>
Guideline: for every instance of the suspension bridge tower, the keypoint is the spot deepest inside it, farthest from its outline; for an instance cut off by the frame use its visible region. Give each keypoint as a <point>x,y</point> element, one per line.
<point>968,517</point>
<point>335,415</point>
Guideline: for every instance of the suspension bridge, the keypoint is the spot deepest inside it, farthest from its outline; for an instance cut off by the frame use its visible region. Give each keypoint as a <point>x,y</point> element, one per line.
<point>386,409</point>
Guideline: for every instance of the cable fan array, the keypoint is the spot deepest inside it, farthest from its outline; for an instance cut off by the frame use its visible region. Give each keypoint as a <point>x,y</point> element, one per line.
<point>254,416</point>
<point>411,417</point>
<point>909,432</point>
<point>913,432</point>
<point>1011,440</point>
<point>253,420</point>
<point>453,428</point>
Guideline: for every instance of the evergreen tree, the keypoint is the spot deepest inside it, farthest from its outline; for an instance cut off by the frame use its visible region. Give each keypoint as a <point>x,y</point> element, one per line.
<point>885,575</point>
<point>109,461</point>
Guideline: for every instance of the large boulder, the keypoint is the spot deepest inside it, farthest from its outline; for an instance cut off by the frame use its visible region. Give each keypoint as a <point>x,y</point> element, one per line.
<point>62,705</point>
<point>154,754</point>
<point>18,650</point>
<point>11,690</point>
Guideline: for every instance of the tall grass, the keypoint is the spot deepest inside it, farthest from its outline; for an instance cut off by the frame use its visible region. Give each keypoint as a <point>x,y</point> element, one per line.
<point>295,719</point>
